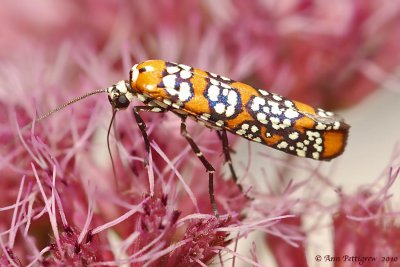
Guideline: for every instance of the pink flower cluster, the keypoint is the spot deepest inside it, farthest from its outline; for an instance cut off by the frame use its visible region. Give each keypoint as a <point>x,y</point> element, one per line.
<point>59,203</point>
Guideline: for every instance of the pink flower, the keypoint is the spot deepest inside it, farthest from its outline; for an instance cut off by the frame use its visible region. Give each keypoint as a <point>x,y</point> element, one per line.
<point>365,224</point>
<point>281,249</point>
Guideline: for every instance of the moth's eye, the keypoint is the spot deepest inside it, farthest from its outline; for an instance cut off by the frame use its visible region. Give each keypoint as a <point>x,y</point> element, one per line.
<point>121,102</point>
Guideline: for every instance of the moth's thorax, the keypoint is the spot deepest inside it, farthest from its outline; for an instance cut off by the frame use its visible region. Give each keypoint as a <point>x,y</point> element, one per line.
<point>145,78</point>
<point>120,95</point>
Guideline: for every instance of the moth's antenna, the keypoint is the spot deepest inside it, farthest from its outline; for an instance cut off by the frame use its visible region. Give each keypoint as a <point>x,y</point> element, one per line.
<point>109,149</point>
<point>44,116</point>
<point>69,103</point>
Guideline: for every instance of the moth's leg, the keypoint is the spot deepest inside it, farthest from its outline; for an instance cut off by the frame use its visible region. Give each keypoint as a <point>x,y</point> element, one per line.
<point>227,152</point>
<point>209,168</point>
<point>142,125</point>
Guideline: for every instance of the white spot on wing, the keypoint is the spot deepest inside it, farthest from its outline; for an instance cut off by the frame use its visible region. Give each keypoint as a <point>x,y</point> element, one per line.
<point>240,132</point>
<point>300,153</point>
<point>232,98</point>
<point>169,81</point>
<point>289,103</point>
<point>274,120</point>
<point>282,145</point>
<point>150,87</point>
<point>171,91</point>
<point>259,101</point>
<point>245,126</point>
<point>294,135</point>
<point>275,110</point>
<point>291,114</point>
<point>318,147</point>
<point>219,108</point>
<point>276,97</point>
<point>320,126</point>
<point>255,107</point>
<point>172,70</point>
<point>183,66</point>
<point>286,123</point>
<point>184,91</point>
<point>213,81</point>
<point>254,129</point>
<point>336,125</point>
<point>213,92</point>
<point>230,110</point>
<point>261,117</point>
<point>300,144</point>
<point>263,92</point>
<point>185,74</point>
<point>149,68</point>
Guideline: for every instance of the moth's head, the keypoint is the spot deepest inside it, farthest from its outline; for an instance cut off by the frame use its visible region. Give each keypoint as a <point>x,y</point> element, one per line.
<point>119,95</point>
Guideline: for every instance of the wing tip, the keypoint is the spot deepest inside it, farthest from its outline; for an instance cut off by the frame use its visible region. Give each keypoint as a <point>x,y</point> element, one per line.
<point>335,142</point>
